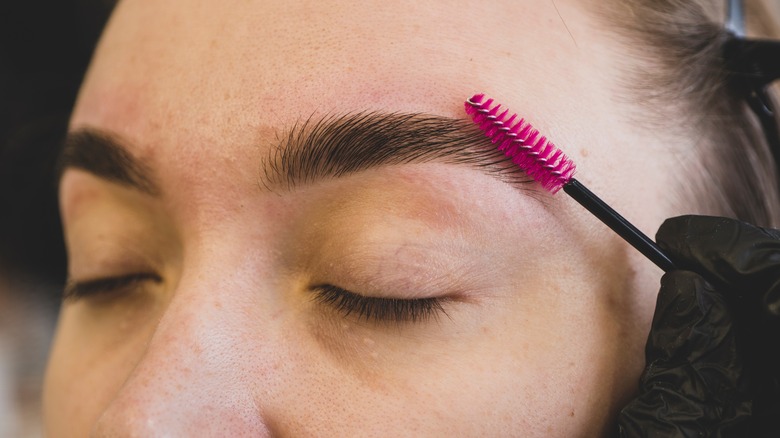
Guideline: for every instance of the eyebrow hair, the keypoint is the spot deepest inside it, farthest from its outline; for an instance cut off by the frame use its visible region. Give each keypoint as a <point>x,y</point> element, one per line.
<point>103,155</point>
<point>330,147</point>
<point>338,145</point>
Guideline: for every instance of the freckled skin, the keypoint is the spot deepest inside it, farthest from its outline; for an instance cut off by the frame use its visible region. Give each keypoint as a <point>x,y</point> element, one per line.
<point>547,311</point>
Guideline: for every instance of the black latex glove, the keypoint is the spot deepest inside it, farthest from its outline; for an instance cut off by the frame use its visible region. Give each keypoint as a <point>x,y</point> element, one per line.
<point>713,354</point>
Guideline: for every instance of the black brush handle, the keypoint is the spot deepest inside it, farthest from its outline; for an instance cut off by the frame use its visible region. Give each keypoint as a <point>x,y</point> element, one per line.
<point>619,224</point>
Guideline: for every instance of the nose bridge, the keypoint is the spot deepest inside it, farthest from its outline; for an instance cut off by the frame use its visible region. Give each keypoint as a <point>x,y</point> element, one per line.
<point>193,379</point>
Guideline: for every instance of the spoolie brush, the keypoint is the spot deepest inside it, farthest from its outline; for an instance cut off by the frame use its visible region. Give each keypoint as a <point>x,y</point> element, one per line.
<point>544,162</point>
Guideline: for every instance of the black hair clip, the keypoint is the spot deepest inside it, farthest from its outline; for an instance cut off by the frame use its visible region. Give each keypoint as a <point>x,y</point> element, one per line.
<point>753,64</point>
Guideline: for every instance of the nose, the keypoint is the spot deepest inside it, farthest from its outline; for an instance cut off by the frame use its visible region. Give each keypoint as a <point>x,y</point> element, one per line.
<point>195,378</point>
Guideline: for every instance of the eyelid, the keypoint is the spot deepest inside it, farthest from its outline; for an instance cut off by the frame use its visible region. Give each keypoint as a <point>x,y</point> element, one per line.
<point>379,309</point>
<point>75,290</point>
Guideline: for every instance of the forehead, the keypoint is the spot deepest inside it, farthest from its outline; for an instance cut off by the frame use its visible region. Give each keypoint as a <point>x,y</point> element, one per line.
<point>217,65</point>
<point>203,90</point>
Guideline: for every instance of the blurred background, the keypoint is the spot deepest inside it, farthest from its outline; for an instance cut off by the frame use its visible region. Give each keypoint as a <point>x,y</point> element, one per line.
<point>45,47</point>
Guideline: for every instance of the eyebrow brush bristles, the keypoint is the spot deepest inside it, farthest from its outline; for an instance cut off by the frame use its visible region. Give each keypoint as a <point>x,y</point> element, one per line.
<point>548,165</point>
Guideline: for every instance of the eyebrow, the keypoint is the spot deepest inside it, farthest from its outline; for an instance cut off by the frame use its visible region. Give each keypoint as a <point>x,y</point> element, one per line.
<point>339,145</point>
<point>315,149</point>
<point>105,156</point>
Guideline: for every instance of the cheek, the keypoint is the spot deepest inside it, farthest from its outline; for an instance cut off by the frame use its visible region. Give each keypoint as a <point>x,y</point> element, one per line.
<point>533,371</point>
<point>81,378</point>
<point>534,374</point>
<point>553,362</point>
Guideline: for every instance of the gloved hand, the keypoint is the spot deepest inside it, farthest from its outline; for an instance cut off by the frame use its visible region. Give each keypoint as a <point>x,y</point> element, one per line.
<point>713,354</point>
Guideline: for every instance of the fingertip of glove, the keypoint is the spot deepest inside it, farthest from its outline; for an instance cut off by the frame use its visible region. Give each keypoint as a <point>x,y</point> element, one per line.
<point>672,232</point>
<point>689,317</point>
<point>678,294</point>
<point>673,226</point>
<point>680,229</point>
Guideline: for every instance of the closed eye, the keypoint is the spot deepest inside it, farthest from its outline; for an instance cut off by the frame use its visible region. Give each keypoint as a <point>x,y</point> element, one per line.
<point>75,290</point>
<point>379,309</point>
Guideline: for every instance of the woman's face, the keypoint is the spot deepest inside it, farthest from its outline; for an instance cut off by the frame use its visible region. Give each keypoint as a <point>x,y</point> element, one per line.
<point>415,299</point>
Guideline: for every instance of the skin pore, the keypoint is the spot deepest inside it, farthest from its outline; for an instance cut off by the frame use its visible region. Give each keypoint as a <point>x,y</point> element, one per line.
<point>221,324</point>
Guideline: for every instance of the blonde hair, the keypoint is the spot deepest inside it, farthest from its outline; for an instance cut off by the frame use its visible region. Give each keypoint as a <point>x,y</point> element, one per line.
<point>683,41</point>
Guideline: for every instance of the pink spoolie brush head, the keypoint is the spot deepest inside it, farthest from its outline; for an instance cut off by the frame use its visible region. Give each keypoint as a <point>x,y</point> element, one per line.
<point>522,143</point>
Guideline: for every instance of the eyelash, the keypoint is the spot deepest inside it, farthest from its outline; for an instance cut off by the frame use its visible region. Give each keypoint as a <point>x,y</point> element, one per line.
<point>377,309</point>
<point>372,309</point>
<point>106,286</point>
